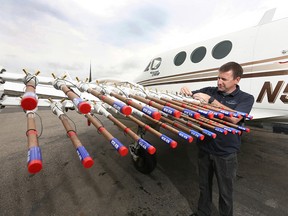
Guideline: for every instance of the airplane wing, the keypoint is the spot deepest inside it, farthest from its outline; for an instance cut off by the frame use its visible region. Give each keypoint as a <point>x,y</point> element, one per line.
<point>267,113</point>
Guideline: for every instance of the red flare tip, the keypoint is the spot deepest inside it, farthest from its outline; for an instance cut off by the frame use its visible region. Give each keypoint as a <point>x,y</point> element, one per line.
<point>239,132</point>
<point>220,115</point>
<point>210,115</point>
<point>214,135</point>
<point>156,115</point>
<point>202,137</point>
<point>34,166</point>
<point>190,139</point>
<point>88,162</point>
<point>126,110</point>
<point>84,107</point>
<point>247,130</point>
<point>197,115</point>
<point>225,132</point>
<point>151,150</point>
<point>177,114</point>
<point>29,103</point>
<point>173,144</point>
<point>123,151</point>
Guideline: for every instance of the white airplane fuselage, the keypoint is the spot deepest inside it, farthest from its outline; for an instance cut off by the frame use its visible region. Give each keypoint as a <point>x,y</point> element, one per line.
<point>261,50</point>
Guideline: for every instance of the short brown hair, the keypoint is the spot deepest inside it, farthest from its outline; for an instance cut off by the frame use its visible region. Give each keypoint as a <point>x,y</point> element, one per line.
<point>235,67</point>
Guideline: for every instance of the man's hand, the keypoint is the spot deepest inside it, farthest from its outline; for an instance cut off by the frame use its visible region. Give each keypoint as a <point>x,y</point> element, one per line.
<point>186,91</point>
<point>203,98</point>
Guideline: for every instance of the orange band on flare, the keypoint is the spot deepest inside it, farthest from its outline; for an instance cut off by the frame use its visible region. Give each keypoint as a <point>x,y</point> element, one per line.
<point>31,131</point>
<point>71,133</point>
<point>101,129</point>
<point>126,130</point>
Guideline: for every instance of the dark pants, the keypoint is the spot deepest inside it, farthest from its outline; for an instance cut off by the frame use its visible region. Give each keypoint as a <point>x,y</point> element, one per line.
<point>225,168</point>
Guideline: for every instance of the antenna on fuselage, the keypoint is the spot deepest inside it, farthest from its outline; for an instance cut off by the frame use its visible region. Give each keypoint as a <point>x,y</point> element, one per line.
<point>267,17</point>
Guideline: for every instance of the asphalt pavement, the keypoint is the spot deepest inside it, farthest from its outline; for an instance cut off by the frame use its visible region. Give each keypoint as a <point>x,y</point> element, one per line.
<point>112,186</point>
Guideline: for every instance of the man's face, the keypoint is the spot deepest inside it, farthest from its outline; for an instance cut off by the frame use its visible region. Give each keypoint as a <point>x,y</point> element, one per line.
<point>226,83</point>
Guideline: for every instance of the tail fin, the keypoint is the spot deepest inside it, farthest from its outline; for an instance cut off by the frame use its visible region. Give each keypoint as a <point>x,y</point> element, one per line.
<point>267,17</point>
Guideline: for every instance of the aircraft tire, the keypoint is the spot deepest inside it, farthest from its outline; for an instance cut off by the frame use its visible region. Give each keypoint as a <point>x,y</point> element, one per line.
<point>145,162</point>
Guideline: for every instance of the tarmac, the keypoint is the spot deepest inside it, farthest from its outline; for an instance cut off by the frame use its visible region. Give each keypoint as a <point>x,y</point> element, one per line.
<point>112,186</point>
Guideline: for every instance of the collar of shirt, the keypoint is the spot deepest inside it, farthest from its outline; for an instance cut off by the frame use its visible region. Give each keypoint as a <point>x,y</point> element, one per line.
<point>232,93</point>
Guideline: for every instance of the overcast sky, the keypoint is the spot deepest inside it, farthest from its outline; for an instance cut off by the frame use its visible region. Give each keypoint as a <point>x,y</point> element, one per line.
<point>118,37</point>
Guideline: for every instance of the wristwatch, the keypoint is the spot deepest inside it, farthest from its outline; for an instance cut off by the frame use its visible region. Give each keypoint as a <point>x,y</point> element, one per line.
<point>211,99</point>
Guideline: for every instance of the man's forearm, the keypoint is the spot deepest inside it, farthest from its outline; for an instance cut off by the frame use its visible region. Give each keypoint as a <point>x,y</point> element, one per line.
<point>221,106</point>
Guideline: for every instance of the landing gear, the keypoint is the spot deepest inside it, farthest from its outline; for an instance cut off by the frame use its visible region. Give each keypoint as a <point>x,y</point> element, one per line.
<point>142,160</point>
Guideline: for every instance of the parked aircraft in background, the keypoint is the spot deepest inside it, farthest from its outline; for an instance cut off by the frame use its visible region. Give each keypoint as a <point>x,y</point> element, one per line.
<point>262,50</point>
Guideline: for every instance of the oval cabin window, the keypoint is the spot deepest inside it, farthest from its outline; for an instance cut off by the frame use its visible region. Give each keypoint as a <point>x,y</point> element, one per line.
<point>222,49</point>
<point>198,54</point>
<point>180,58</point>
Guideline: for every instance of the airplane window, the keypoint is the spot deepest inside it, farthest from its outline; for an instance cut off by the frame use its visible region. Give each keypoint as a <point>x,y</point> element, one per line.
<point>222,49</point>
<point>156,63</point>
<point>198,54</point>
<point>180,58</point>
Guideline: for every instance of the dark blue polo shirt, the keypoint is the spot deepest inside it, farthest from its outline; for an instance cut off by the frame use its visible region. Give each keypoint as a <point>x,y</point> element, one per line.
<point>230,143</point>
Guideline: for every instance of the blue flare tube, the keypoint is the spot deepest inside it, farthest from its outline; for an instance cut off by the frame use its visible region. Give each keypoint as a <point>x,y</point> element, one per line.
<point>185,136</point>
<point>146,146</point>
<point>191,113</point>
<point>221,130</point>
<point>170,111</point>
<point>209,133</point>
<point>168,140</point>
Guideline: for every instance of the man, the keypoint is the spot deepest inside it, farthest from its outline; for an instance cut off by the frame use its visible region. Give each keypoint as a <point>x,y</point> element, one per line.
<point>219,155</point>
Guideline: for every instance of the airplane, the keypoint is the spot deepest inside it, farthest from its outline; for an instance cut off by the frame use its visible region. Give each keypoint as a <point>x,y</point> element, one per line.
<point>265,77</point>
<point>262,51</point>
